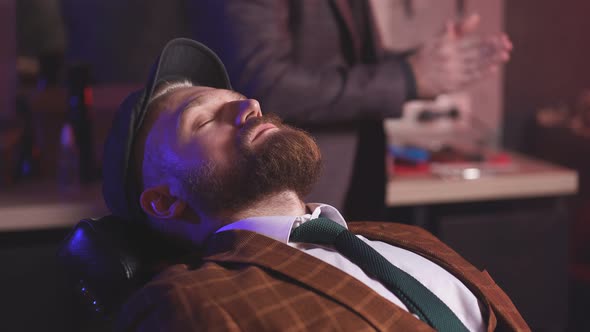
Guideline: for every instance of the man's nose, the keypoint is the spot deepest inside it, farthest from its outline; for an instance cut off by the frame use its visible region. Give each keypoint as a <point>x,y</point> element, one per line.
<point>247,109</point>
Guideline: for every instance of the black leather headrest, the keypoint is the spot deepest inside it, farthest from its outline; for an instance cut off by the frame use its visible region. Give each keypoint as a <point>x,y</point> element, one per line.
<point>108,259</point>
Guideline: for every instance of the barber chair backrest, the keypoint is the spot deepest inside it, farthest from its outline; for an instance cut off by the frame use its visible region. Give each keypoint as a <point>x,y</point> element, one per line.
<point>107,260</point>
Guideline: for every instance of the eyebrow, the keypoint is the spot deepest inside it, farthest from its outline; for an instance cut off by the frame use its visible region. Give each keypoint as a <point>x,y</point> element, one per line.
<point>198,101</point>
<point>186,106</point>
<point>192,103</point>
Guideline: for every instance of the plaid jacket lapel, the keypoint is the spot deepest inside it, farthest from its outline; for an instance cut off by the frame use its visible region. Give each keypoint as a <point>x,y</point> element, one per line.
<point>480,283</point>
<point>251,248</point>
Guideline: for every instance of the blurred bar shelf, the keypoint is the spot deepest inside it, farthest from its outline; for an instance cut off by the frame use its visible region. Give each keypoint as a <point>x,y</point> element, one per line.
<point>42,205</point>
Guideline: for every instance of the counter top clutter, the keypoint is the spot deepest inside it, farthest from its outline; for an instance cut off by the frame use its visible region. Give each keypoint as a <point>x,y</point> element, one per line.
<point>44,205</point>
<point>512,176</point>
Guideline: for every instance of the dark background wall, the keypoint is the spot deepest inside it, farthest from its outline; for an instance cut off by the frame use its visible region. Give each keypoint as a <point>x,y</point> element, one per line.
<point>550,66</point>
<point>550,63</point>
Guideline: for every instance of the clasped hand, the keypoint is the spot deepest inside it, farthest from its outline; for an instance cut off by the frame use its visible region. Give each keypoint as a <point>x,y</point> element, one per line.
<point>457,58</point>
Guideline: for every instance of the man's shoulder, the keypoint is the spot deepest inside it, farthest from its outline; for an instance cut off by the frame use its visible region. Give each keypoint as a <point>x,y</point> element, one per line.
<point>388,229</point>
<point>192,271</point>
<point>409,237</point>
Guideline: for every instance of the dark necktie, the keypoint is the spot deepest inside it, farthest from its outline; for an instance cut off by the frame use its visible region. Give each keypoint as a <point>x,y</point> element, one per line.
<point>419,299</point>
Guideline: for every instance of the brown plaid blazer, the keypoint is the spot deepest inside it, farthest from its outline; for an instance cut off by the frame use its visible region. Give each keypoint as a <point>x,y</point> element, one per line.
<point>250,282</point>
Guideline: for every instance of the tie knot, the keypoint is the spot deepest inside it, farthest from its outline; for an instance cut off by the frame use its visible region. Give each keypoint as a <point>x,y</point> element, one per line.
<point>319,231</point>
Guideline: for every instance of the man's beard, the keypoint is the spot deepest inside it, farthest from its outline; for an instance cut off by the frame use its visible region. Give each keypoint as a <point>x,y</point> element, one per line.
<point>288,159</point>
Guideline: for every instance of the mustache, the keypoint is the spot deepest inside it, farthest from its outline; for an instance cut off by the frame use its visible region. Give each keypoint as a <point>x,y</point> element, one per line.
<point>252,123</point>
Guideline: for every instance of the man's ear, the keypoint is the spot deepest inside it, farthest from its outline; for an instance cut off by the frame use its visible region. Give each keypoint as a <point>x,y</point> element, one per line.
<point>159,203</point>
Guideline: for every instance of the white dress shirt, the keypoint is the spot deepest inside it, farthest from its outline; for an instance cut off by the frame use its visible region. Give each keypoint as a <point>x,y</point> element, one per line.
<point>443,284</point>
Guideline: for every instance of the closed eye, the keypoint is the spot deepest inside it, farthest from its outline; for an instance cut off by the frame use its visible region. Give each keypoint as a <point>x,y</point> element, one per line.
<point>202,124</point>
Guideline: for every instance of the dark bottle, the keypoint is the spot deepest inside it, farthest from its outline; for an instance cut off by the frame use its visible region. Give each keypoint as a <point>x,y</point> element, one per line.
<point>80,117</point>
<point>29,154</point>
<point>68,161</point>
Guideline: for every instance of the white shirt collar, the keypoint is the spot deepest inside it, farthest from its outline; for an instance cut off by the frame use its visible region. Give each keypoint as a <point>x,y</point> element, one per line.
<point>279,227</point>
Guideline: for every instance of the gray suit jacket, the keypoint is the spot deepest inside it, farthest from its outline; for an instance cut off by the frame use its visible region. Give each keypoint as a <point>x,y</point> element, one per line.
<point>304,60</point>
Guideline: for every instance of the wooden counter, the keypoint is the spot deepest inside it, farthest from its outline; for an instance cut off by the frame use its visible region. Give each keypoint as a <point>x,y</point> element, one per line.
<point>527,178</point>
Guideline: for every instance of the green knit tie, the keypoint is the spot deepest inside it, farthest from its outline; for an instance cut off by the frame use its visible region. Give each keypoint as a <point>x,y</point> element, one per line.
<point>419,299</point>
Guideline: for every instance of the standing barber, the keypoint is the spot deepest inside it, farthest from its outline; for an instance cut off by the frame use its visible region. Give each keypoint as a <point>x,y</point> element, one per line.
<point>326,55</point>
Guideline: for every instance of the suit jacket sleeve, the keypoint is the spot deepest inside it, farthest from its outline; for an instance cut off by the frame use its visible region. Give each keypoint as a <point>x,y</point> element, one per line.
<point>257,42</point>
<point>155,308</point>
